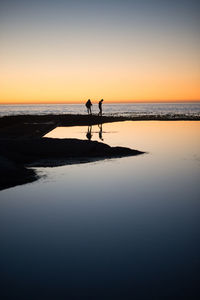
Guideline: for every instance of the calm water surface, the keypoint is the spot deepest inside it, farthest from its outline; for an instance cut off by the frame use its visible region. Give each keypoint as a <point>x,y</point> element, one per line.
<point>116,229</point>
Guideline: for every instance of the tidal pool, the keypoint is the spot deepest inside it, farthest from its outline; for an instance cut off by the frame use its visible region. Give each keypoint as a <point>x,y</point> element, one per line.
<point>115,229</point>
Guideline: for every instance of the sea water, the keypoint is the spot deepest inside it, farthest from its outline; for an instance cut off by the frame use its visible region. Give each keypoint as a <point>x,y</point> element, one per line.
<point>124,109</point>
<point>124,228</point>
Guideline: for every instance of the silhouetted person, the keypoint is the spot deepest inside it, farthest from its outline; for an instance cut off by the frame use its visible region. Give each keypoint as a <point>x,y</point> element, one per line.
<point>89,133</point>
<point>100,132</point>
<point>100,107</point>
<point>88,104</point>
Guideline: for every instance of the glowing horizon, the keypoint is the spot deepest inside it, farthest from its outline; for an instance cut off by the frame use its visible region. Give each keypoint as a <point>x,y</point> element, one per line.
<point>95,101</point>
<point>122,51</point>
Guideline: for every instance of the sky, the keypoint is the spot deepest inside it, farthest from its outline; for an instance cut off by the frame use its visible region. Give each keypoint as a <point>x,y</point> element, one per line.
<point>68,51</point>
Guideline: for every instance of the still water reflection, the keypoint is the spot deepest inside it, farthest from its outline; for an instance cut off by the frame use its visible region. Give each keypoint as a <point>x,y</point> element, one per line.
<point>91,132</point>
<point>115,229</point>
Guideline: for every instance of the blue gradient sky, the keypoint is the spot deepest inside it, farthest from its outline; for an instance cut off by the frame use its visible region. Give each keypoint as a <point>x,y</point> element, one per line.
<point>60,51</point>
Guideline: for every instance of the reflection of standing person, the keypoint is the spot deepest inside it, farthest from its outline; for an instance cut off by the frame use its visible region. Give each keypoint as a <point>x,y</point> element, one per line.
<point>100,107</point>
<point>100,132</point>
<point>89,133</point>
<point>88,104</point>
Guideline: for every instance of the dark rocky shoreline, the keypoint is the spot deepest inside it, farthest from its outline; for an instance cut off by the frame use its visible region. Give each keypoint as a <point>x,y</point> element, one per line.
<point>17,155</point>
<point>39,125</point>
<point>22,146</point>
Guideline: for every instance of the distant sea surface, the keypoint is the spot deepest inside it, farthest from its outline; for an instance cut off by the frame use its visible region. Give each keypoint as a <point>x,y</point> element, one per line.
<point>122,109</point>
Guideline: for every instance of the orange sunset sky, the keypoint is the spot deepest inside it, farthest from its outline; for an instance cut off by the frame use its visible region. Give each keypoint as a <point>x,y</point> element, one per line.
<point>64,51</point>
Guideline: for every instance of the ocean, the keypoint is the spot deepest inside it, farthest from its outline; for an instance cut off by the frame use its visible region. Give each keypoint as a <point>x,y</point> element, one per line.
<point>120,109</point>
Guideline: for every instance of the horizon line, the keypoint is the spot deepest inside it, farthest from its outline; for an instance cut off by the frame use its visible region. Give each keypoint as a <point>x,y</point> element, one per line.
<point>109,102</point>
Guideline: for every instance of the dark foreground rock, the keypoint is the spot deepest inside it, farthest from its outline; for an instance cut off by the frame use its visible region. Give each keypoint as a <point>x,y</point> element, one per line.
<point>12,174</point>
<point>18,154</point>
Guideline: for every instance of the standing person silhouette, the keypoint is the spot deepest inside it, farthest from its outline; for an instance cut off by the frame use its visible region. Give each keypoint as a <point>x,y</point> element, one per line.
<point>88,104</point>
<point>100,107</point>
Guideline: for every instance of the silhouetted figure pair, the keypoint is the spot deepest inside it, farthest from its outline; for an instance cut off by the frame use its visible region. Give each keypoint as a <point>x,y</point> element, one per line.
<point>89,107</point>
<point>100,107</point>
